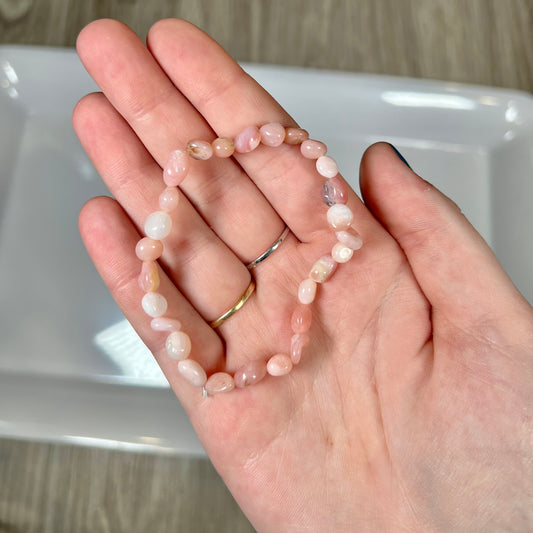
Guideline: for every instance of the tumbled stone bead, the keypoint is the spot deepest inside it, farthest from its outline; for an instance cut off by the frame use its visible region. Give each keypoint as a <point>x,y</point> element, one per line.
<point>272,134</point>
<point>154,304</point>
<point>149,249</point>
<point>312,149</point>
<point>169,199</point>
<point>279,365</point>
<point>219,382</point>
<point>193,372</point>
<point>178,345</point>
<point>158,225</point>
<point>323,269</point>
<point>307,291</point>
<point>327,166</point>
<point>165,324</point>
<point>250,373</point>
<point>295,135</point>
<point>298,342</point>
<point>334,192</point>
<point>301,319</point>
<point>247,140</point>
<point>223,147</point>
<point>176,168</point>
<point>350,238</point>
<point>340,217</point>
<point>199,150</point>
<point>149,277</point>
<point>341,253</point>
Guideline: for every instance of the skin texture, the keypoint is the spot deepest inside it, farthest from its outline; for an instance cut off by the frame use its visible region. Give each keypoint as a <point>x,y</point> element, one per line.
<point>412,408</point>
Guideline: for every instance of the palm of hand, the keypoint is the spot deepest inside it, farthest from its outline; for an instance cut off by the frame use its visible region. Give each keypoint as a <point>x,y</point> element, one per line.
<point>388,423</point>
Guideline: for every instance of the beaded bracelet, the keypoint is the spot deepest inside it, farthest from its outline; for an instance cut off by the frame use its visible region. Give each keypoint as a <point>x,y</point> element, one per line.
<point>158,225</point>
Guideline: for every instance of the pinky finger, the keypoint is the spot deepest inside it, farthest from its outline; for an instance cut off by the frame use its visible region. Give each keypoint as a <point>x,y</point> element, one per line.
<point>113,253</point>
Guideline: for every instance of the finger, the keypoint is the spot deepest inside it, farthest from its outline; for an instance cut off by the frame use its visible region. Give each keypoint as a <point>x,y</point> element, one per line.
<point>230,100</point>
<point>119,269</point>
<point>164,121</point>
<point>453,265</point>
<point>204,269</point>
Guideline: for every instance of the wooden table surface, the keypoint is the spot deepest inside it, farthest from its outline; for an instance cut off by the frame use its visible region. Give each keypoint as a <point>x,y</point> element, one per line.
<point>59,488</point>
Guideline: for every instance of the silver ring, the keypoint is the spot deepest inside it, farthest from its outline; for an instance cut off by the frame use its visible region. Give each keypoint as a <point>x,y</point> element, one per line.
<point>270,251</point>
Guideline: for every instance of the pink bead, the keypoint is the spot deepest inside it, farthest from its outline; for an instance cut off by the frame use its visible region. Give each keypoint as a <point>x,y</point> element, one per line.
<point>165,324</point>
<point>169,199</point>
<point>219,382</point>
<point>272,134</point>
<point>298,343</point>
<point>307,291</point>
<point>350,238</point>
<point>247,140</point>
<point>178,345</point>
<point>176,168</point>
<point>341,253</point>
<point>149,249</point>
<point>149,277</point>
<point>250,373</point>
<point>334,192</point>
<point>200,149</point>
<point>223,147</point>
<point>313,149</point>
<point>193,372</point>
<point>323,269</point>
<point>295,135</point>
<point>340,217</point>
<point>301,319</point>
<point>279,365</point>
<point>327,166</point>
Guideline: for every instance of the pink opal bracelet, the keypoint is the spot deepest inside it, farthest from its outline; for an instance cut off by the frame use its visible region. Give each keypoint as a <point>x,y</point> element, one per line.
<point>158,225</point>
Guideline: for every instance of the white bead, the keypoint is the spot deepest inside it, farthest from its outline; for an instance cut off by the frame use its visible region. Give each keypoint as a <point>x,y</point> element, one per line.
<point>158,225</point>
<point>178,345</point>
<point>341,253</point>
<point>340,217</point>
<point>154,304</point>
<point>307,291</point>
<point>327,166</point>
<point>193,372</point>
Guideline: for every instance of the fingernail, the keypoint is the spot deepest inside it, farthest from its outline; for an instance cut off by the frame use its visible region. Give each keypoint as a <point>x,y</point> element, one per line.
<point>400,155</point>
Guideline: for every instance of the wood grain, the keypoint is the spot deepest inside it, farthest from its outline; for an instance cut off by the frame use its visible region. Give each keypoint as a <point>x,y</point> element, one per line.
<point>56,488</point>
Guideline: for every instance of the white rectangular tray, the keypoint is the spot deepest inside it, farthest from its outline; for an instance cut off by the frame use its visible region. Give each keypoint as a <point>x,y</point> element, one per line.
<point>71,368</point>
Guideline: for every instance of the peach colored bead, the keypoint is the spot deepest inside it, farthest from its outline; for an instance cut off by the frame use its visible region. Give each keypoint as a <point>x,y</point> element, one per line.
<point>340,217</point>
<point>223,147</point>
<point>149,249</point>
<point>154,304</point>
<point>178,345</point>
<point>176,168</point>
<point>165,324</point>
<point>334,192</point>
<point>219,382</point>
<point>149,277</point>
<point>193,372</point>
<point>169,199</point>
<point>279,365</point>
<point>250,373</point>
<point>323,269</point>
<point>350,238</point>
<point>312,149</point>
<point>247,140</point>
<point>341,253</point>
<point>301,319</point>
<point>272,134</point>
<point>307,291</point>
<point>295,135</point>
<point>200,150</point>
<point>327,166</point>
<point>298,342</point>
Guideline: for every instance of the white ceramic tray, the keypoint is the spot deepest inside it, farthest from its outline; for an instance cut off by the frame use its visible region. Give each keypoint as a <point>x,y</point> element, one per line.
<point>71,368</point>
